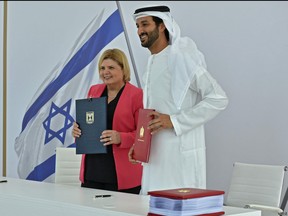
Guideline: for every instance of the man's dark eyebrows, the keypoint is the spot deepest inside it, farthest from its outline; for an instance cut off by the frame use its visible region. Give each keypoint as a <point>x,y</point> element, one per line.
<point>144,21</point>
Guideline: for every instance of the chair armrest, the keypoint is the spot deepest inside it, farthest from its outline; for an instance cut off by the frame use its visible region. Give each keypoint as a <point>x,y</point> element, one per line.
<point>264,207</point>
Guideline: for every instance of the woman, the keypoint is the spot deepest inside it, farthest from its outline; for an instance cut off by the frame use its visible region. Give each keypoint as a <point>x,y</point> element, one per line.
<point>113,171</point>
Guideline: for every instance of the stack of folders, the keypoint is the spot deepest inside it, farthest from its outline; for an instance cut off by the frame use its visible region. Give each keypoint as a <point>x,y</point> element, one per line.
<point>186,201</point>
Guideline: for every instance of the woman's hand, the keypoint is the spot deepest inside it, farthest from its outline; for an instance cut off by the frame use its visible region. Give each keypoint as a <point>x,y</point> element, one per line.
<point>110,137</point>
<point>76,132</point>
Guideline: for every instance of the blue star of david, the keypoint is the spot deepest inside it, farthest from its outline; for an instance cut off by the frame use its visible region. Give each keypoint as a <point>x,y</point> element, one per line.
<point>58,122</point>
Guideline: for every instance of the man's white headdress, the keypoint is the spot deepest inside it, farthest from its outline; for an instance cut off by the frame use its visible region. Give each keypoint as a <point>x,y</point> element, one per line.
<point>184,57</point>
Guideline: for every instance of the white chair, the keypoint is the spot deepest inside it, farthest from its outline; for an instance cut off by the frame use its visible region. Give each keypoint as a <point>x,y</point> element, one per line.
<point>257,186</point>
<point>67,167</point>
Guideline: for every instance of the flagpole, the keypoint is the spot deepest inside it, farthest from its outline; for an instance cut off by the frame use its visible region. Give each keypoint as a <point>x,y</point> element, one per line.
<point>129,46</point>
<point>4,139</point>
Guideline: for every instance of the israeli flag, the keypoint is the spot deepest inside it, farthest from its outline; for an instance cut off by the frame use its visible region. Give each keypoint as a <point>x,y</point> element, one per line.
<point>49,118</point>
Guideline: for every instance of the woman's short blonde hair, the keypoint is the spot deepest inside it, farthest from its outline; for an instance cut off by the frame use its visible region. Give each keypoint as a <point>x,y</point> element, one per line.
<point>119,57</point>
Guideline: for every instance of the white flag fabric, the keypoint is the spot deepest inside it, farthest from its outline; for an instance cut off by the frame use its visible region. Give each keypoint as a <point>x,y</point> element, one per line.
<point>49,118</point>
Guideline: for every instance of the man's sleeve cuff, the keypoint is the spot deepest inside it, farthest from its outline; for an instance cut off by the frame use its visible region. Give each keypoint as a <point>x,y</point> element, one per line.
<point>176,125</point>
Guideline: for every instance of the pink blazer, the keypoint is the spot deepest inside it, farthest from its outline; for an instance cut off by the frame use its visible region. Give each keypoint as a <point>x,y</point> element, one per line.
<point>125,121</point>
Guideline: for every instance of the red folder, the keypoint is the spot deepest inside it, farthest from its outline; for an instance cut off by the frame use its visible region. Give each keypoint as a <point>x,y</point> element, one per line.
<point>185,193</point>
<point>143,136</point>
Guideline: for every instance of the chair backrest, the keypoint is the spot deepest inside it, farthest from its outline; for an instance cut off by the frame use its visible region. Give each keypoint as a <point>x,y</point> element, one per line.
<point>255,184</point>
<point>67,166</point>
<point>284,200</point>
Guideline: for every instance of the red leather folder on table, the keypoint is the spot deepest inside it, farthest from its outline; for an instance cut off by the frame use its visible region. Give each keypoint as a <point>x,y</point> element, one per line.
<point>143,136</point>
<point>185,193</point>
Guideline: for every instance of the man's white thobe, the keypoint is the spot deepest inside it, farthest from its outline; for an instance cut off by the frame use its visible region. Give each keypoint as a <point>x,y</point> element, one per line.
<point>177,156</point>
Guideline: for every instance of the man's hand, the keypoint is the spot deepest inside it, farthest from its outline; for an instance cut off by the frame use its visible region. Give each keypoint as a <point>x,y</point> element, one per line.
<point>159,122</point>
<point>130,156</point>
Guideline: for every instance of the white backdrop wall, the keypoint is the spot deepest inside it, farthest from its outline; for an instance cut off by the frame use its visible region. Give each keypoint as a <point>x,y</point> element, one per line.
<point>245,45</point>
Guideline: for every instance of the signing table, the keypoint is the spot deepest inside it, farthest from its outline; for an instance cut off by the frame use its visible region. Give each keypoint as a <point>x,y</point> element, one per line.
<point>29,198</point>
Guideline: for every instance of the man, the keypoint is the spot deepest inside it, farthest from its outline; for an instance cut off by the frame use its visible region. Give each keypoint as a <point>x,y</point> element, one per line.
<point>185,97</point>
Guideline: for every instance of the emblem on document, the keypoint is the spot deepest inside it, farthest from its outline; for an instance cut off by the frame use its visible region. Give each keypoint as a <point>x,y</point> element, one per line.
<point>183,191</point>
<point>90,117</point>
<point>141,133</point>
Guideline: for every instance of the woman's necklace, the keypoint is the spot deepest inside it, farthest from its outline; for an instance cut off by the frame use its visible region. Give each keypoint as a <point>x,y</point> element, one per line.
<point>112,97</point>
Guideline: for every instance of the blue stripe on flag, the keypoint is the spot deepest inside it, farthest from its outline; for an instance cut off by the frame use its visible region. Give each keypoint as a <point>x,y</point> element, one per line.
<point>103,36</point>
<point>45,169</point>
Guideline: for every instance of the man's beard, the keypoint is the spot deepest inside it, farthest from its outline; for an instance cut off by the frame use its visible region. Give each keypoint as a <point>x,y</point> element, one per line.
<point>152,37</point>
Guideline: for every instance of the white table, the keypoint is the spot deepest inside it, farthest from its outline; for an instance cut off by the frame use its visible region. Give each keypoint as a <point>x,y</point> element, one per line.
<point>29,198</point>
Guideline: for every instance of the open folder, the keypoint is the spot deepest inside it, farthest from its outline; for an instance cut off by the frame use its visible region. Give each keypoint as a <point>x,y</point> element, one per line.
<point>91,116</point>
